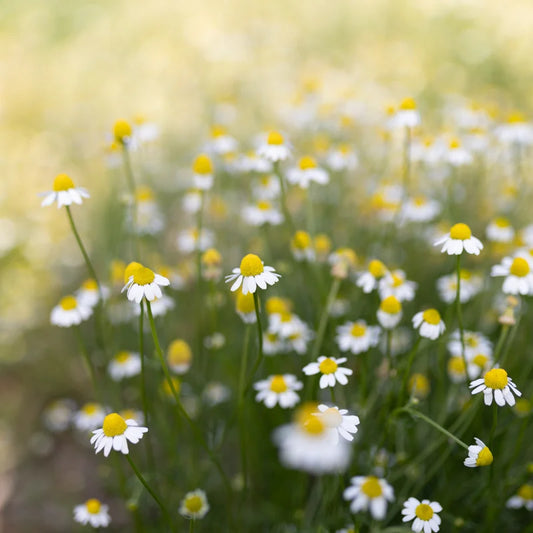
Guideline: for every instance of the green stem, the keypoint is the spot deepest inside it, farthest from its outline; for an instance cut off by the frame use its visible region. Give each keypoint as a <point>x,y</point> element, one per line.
<point>143,366</point>
<point>284,206</point>
<point>460,315</point>
<point>242,426</point>
<point>86,357</point>
<point>150,491</point>
<point>191,525</point>
<point>431,422</point>
<point>407,161</point>
<point>259,359</point>
<point>131,185</point>
<point>410,360</point>
<point>501,341</point>
<point>332,393</point>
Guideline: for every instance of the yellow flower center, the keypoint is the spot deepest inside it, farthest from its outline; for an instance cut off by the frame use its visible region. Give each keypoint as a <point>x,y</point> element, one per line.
<point>93,506</point>
<point>502,222</point>
<point>179,352</point>
<point>313,425</point>
<point>460,231</point>
<point>328,366</point>
<point>480,360</point>
<point>485,457</point>
<point>278,384</point>
<point>519,267</point>
<point>143,276</point>
<point>322,244</point>
<point>515,118</point>
<point>286,316</point>
<point>245,303</point>
<point>301,240</point>
<point>202,165</point>
<point>526,492</point>
<point>211,257</point>
<point>523,407</point>
<point>358,330</point>
<point>419,384</point>
<point>122,357</point>
<point>397,280</point>
<point>431,316</point>
<point>117,270</point>
<point>263,205</point>
<point>455,143</point>
<point>274,137</point>
<point>114,425</point>
<point>193,504</point>
<point>371,487</point>
<point>306,163</point>
<point>408,104</point>
<point>465,274</point>
<point>424,512</point>
<point>90,408</point>
<point>90,285</point>
<point>68,303</point>
<point>496,378</point>
<point>391,305</point>
<point>121,130</point>
<point>456,365</point>
<point>420,200</point>
<point>218,131</point>
<point>130,270</point>
<point>472,341</point>
<point>176,384</point>
<point>377,268</point>
<point>251,265</point>
<point>275,304</point>
<point>62,182</point>
<point>128,414</point>
<point>144,194</point>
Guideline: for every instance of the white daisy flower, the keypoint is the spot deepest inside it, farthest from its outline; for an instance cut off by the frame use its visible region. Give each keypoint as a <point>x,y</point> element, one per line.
<point>194,505</point>
<point>395,284</point>
<point>89,294</point>
<point>479,363</point>
<point>500,230</point>
<point>58,414</point>
<point>390,312</point>
<point>339,421</point>
<point>69,312</point>
<point>456,369</point>
<point>342,157</point>
<point>368,280</point>
<point>298,340</point>
<point>496,383</point>
<point>273,343</point>
<point>92,512</point>
<point>144,131</point>
<point>266,188</point>
<point>478,455</point>
<point>179,356</point>
<point>221,142</point>
<point>215,393</point>
<point>302,247</point>
<point>144,283</point>
<point>192,240</point>
<point>458,239</point>
<point>251,162</point>
<point>245,307</point>
<point>64,192</point>
<point>330,369</point>
<point>284,324</point>
<point>471,285</point>
<point>420,209</point>
<point>429,324</point>
<point>356,337</point>
<point>252,274</point>
<point>407,115</point>
<point>423,513</point>
<point>474,343</point>
<point>275,148</point>
<point>148,218</point>
<point>369,494</point>
<point>115,434</point>
<point>306,173</point>
<point>124,365</point>
<point>202,168</point>
<point>278,390</point>
<point>523,498</point>
<point>89,417</point>
<point>515,131</point>
<point>262,212</point>
<point>458,156</point>
<point>192,201</point>
<point>518,275</point>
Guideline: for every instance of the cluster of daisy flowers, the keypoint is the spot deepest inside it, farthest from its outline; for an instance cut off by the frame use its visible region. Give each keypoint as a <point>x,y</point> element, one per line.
<point>360,336</point>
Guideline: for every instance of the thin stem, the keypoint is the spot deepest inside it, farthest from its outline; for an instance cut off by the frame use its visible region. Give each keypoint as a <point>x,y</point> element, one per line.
<point>143,366</point>
<point>150,491</point>
<point>459,312</point>
<point>259,359</point>
<point>284,207</point>
<point>131,185</point>
<point>407,161</point>
<point>191,525</point>
<point>86,357</point>
<point>410,360</point>
<point>431,422</point>
<point>242,428</point>
<point>501,341</point>
<point>332,394</point>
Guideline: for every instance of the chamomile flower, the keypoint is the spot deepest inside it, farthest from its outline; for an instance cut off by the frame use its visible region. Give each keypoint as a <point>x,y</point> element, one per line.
<point>252,274</point>
<point>299,339</point>
<point>278,390</point>
<point>343,262</point>
<point>194,505</point>
<point>496,383</point>
<point>456,155</point>
<point>148,218</point>
<point>500,230</point>
<point>302,246</point>
<point>266,188</point>
<point>458,239</point>
<point>394,283</point>
<point>272,343</point>
<point>330,370</point>
<point>144,131</point>
<point>69,312</point>
<point>123,133</point>
<point>322,246</point>
<point>356,337</point>
<point>456,369</point>
<point>192,201</point>
<point>420,209</point>
<point>479,363</point>
<point>58,414</point>
<point>179,356</point>
<point>274,148</point>
<point>284,324</point>
<point>429,324</point>
<point>390,312</point>
<point>339,421</point>
<point>144,283</point>
<point>221,142</point>
<point>202,168</point>
<point>369,494</point>
<point>516,130</point>
<point>474,343</point>
<point>424,514</point>
<point>262,212</point>
<point>115,434</point>
<point>211,261</point>
<point>216,393</point>
<point>192,240</point>
<point>64,192</point>
<point>306,173</point>
<point>523,498</point>
<point>478,455</point>
<point>419,386</point>
<point>518,275</point>
<point>89,417</point>
<point>124,365</point>
<point>471,285</point>
<point>368,280</point>
<point>407,114</point>
<point>245,307</point>
<point>92,512</point>
<point>89,294</point>
<point>342,157</point>
<point>251,162</point>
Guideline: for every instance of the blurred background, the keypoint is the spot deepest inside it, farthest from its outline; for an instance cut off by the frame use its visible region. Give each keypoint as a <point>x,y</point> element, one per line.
<point>68,70</point>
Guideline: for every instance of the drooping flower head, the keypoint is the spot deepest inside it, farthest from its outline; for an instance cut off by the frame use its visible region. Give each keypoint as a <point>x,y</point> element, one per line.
<point>478,455</point>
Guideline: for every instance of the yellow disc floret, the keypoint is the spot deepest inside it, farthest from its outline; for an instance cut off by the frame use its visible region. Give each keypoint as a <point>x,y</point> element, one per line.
<point>275,304</point>
<point>313,425</point>
<point>68,303</point>
<point>496,378</point>
<point>301,240</point>
<point>377,268</point>
<point>278,384</point>
<point>245,303</point>
<point>456,366</point>
<point>122,130</point>
<point>143,276</point>
<point>93,506</point>
<point>519,267</point>
<point>461,232</point>
<point>275,137</point>
<point>391,305</point>
<point>526,492</point>
<point>328,366</point>
<point>371,487</point>
<point>202,165</point>
<point>193,504</point>
<point>211,257</point>
<point>306,163</point>
<point>322,244</point>
<point>90,285</point>
<point>358,330</point>
<point>485,457</point>
<point>62,182</point>
<point>114,425</point>
<point>251,265</point>
<point>122,357</point>
<point>179,353</point>
<point>90,408</point>
<point>424,512</point>
<point>130,270</point>
<point>408,104</point>
<point>480,360</point>
<point>431,316</point>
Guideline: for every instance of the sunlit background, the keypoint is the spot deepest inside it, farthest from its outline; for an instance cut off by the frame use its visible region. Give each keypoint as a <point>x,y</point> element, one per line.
<point>68,70</point>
